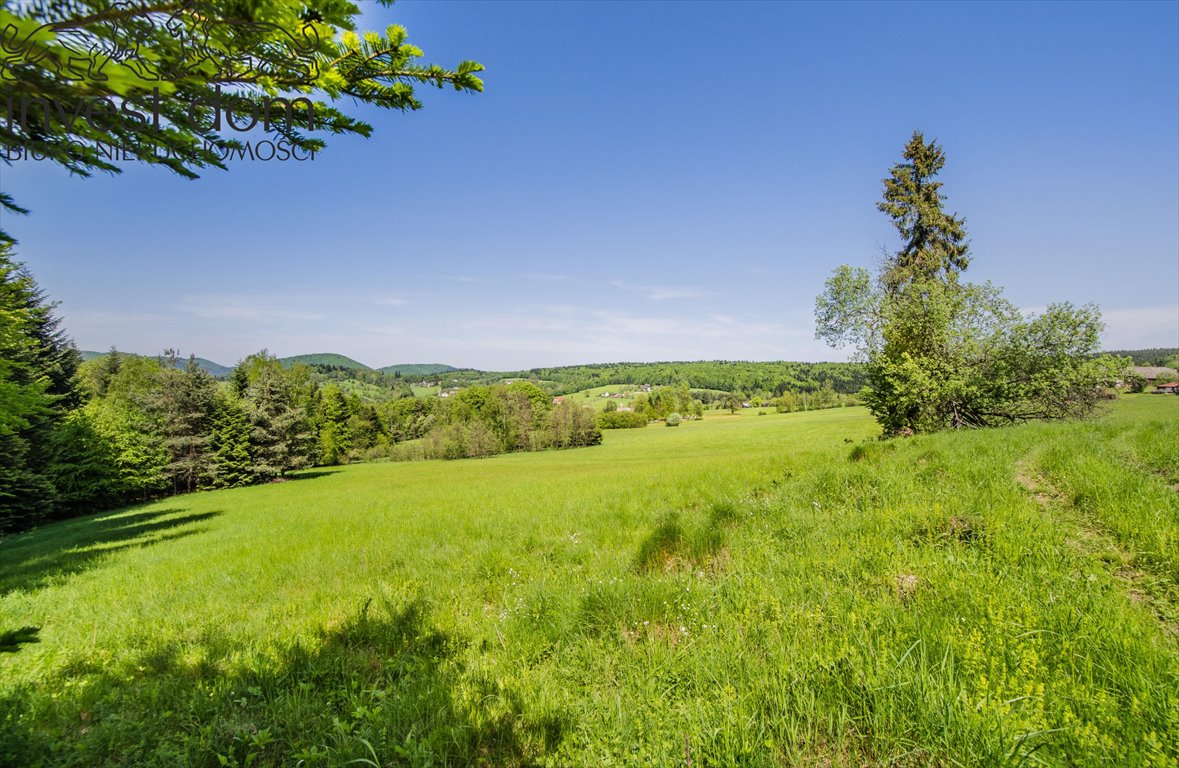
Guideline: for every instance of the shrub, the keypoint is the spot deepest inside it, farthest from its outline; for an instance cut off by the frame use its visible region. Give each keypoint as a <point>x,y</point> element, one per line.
<point>1134,382</point>
<point>622,420</point>
<point>674,419</point>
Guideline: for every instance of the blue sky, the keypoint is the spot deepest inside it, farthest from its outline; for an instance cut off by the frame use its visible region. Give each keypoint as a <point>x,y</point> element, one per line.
<point>648,181</point>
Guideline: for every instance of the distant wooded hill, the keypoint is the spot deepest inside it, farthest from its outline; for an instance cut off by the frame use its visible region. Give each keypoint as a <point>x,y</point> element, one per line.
<point>215,369</point>
<point>322,360</point>
<point>418,369</point>
<point>1158,356</point>
<point>722,375</point>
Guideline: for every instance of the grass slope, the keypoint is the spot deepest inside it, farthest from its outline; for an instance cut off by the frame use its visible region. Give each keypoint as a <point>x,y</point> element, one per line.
<point>592,398</point>
<point>736,591</point>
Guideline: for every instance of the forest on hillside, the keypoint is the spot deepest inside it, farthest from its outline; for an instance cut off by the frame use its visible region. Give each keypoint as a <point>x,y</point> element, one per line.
<point>745,377</point>
<point>1164,357</point>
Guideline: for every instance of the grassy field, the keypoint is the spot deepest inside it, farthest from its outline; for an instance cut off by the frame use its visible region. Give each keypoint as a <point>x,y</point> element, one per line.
<point>592,398</point>
<point>768,591</point>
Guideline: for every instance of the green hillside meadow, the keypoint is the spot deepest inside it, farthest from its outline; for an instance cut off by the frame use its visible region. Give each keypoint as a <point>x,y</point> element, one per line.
<point>745,590</point>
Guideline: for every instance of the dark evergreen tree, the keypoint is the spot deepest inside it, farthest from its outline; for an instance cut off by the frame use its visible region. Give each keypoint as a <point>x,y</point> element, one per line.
<point>84,472</point>
<point>229,443</point>
<point>183,401</point>
<point>280,434</point>
<point>37,365</point>
<point>933,241</point>
<point>240,378</point>
<point>107,370</point>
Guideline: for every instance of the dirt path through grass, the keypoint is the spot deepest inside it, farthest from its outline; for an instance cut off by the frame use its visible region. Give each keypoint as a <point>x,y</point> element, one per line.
<point>1144,585</point>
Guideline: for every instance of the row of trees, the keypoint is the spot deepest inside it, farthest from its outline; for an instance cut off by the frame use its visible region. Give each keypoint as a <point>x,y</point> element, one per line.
<point>485,420</point>
<point>1162,357</point>
<point>167,427</point>
<point>721,376</point>
<point>660,402</point>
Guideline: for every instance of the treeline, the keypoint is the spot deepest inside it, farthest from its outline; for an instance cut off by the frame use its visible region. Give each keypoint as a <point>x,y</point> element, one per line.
<point>137,428</point>
<point>823,397</point>
<point>774,378</point>
<point>1163,357</point>
<point>728,376</point>
<point>485,420</point>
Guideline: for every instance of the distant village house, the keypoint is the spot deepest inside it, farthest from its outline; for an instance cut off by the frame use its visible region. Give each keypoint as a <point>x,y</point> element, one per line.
<point>1153,374</point>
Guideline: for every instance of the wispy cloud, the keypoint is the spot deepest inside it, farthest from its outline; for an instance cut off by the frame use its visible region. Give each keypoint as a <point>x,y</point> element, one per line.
<point>660,292</point>
<point>391,302</point>
<point>1141,327</point>
<point>563,309</point>
<point>563,335</point>
<point>691,327</point>
<point>256,309</point>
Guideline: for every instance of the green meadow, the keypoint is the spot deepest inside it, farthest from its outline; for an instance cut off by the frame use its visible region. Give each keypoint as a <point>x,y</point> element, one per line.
<point>592,398</point>
<point>744,590</point>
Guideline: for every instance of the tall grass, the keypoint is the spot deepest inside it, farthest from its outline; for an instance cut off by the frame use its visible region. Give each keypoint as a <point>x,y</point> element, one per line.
<point>769,591</point>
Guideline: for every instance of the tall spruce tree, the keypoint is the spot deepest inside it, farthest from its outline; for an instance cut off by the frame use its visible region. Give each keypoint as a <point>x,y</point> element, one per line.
<point>934,245</point>
<point>107,370</point>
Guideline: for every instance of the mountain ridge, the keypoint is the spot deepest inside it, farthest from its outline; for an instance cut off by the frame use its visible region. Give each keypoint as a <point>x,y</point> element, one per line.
<point>215,369</point>
<point>326,359</point>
